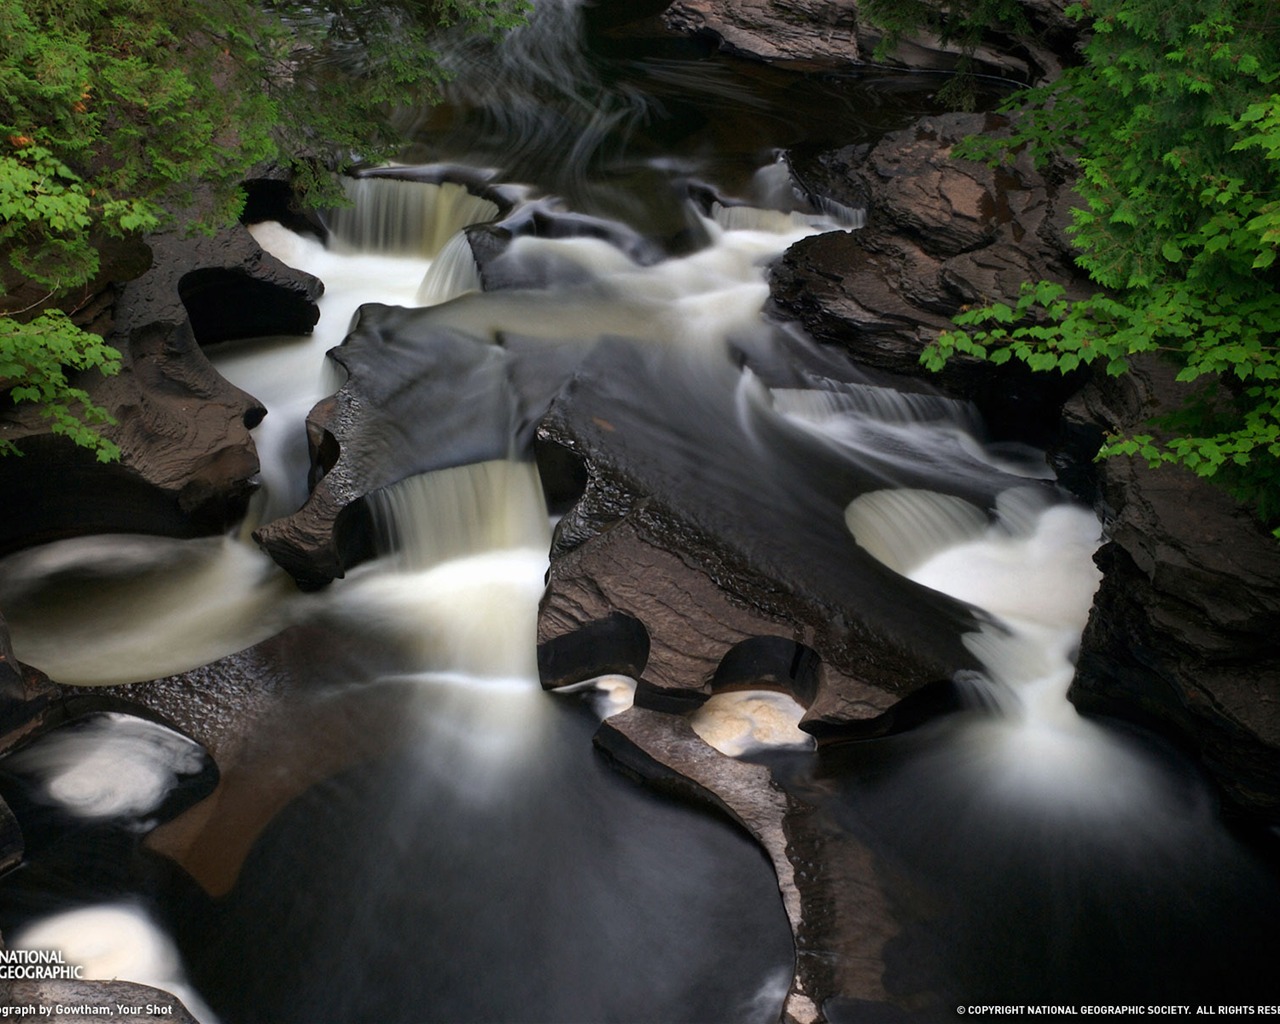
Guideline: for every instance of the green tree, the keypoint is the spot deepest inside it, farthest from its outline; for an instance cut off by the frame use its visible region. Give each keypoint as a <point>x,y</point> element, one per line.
<point>1173,125</point>
<point>122,116</point>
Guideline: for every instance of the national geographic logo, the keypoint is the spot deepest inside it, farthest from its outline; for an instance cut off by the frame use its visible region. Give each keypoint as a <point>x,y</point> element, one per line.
<point>36,965</point>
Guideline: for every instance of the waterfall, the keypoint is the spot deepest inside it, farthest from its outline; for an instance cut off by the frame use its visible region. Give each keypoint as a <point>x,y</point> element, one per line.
<point>750,218</point>
<point>904,528</point>
<point>461,512</point>
<point>464,852</point>
<point>469,550</point>
<point>883,404</point>
<point>1029,567</point>
<point>452,273</point>
<point>403,218</point>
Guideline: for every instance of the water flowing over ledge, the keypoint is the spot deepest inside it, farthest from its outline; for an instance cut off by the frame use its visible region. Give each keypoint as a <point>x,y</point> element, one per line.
<point>447,842</point>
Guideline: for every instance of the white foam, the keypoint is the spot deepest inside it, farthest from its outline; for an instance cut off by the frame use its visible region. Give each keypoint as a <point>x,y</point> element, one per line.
<point>110,766</point>
<point>745,721</point>
<point>1042,574</point>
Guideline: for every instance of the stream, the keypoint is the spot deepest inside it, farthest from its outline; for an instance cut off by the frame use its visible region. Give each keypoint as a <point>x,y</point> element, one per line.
<point>406,828</point>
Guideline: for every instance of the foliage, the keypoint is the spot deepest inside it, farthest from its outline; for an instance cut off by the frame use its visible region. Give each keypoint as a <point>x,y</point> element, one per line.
<point>1173,121</point>
<point>35,354</point>
<point>120,116</point>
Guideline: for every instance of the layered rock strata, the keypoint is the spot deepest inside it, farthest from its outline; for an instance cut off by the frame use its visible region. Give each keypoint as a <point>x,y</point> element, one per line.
<point>688,545</point>
<point>942,235</point>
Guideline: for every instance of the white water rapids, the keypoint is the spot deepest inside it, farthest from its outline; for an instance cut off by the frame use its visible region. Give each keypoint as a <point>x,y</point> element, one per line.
<point>415,796</point>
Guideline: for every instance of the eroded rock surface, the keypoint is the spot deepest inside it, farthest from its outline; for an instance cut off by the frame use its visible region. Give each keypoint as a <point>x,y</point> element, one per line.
<point>417,398</point>
<point>188,460</point>
<point>689,530</point>
<point>839,917</point>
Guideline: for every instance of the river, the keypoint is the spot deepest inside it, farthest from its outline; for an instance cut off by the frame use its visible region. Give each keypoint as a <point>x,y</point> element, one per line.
<point>406,827</point>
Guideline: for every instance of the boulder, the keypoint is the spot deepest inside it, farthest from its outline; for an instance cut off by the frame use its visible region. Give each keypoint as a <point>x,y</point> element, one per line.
<point>187,458</point>
<point>417,398</point>
<point>690,542</point>
<point>942,234</point>
<point>1185,629</point>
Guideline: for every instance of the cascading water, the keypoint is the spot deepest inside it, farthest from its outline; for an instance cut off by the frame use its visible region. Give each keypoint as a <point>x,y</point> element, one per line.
<point>448,845</point>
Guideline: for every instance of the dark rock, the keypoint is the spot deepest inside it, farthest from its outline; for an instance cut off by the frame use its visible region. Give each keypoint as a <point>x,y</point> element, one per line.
<point>188,460</point>
<point>31,706</point>
<point>942,234</point>
<point>839,917</point>
<point>830,176</point>
<point>689,534</point>
<point>1185,629</point>
<point>26,696</point>
<point>500,269</point>
<point>12,844</point>
<point>278,719</point>
<point>417,398</point>
<point>798,30</point>
<point>159,299</point>
<point>272,197</point>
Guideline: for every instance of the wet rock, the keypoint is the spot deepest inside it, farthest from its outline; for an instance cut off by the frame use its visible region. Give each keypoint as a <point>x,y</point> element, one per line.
<point>27,707</point>
<point>502,269</point>
<point>417,398</point>
<point>696,544</point>
<point>31,706</point>
<point>12,844</point>
<point>26,696</point>
<point>1185,629</point>
<point>839,917</point>
<point>942,234</point>
<point>188,459</point>
<point>24,702</point>
<point>277,719</point>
